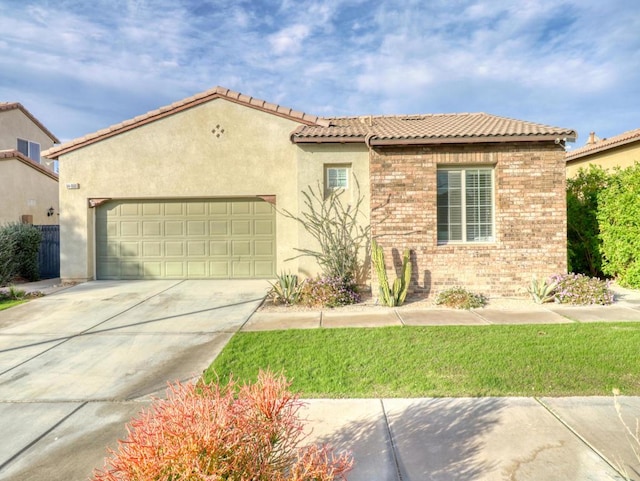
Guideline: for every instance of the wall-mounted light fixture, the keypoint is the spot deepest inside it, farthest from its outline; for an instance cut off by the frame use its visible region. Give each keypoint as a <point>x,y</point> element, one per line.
<point>50,211</point>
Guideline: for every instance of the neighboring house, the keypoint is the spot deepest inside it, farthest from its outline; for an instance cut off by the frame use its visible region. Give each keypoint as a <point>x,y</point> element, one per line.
<point>618,151</point>
<point>28,187</point>
<point>194,190</point>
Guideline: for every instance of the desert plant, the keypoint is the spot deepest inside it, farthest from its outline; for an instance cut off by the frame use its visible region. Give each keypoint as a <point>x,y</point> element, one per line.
<point>396,294</point>
<point>338,230</point>
<point>460,298</point>
<point>580,289</point>
<point>542,291</point>
<point>329,292</point>
<point>286,290</point>
<point>208,431</point>
<point>583,243</point>
<point>16,294</point>
<point>618,209</point>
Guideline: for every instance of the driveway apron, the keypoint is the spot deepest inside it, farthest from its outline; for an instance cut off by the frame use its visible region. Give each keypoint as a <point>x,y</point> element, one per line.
<point>77,365</point>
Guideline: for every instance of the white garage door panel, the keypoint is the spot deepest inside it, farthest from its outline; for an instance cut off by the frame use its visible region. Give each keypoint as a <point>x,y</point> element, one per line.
<point>185,239</point>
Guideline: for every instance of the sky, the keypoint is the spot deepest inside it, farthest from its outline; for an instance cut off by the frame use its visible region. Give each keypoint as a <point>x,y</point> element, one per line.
<point>82,65</point>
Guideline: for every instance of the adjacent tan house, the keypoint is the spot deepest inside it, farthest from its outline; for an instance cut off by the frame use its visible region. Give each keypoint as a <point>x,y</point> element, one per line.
<point>28,187</point>
<point>196,190</point>
<point>618,151</point>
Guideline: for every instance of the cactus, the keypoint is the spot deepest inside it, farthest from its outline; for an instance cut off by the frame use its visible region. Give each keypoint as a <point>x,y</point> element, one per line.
<point>396,295</point>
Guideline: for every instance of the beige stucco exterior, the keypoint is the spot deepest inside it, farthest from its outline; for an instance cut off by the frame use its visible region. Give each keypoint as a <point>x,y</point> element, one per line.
<point>618,156</point>
<point>14,124</point>
<point>218,149</point>
<point>25,190</point>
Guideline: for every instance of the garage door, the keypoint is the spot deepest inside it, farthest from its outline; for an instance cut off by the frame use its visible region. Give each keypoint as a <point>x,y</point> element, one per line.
<point>185,239</point>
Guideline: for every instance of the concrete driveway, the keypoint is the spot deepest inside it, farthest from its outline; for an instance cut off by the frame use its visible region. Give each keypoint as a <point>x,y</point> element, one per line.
<point>77,365</point>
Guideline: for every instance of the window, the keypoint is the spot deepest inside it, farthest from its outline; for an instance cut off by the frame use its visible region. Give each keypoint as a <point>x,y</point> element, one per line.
<point>337,177</point>
<point>30,149</point>
<point>465,205</point>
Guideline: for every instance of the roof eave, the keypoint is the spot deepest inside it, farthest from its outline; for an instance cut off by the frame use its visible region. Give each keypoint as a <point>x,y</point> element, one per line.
<point>571,156</point>
<point>19,156</point>
<point>472,139</point>
<point>327,140</point>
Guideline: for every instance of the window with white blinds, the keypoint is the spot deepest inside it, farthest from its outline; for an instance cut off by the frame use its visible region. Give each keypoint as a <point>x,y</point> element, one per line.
<point>337,177</point>
<point>465,205</point>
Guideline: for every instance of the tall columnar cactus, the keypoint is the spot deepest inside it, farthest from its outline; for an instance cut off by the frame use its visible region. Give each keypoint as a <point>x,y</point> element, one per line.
<point>397,294</point>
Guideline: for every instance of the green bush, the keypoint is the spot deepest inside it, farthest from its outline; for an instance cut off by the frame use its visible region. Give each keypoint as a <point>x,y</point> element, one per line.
<point>27,244</point>
<point>583,243</point>
<point>7,256</point>
<point>460,298</point>
<point>619,220</point>
<point>581,289</point>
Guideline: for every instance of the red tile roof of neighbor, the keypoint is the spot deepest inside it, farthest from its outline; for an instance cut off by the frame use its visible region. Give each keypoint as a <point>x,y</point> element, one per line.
<point>4,106</point>
<point>371,129</point>
<point>19,156</point>
<point>605,144</point>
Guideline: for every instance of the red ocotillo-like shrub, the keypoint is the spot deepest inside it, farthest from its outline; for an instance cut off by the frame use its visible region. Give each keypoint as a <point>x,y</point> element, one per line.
<point>211,432</point>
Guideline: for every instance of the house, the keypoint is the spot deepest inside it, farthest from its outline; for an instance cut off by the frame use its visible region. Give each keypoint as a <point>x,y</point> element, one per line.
<point>618,151</point>
<point>196,190</point>
<point>28,187</point>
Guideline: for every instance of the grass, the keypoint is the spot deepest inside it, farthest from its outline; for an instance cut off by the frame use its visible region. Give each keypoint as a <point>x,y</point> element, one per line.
<point>523,360</point>
<point>7,303</point>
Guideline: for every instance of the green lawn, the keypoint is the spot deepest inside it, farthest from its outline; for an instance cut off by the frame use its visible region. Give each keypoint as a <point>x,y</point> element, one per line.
<point>524,360</point>
<point>7,303</point>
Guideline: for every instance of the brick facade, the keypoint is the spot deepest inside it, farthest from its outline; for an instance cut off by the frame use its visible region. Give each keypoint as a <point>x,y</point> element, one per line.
<point>530,216</point>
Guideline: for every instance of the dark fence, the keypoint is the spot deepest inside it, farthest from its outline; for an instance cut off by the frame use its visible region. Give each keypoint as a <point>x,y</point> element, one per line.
<point>49,254</point>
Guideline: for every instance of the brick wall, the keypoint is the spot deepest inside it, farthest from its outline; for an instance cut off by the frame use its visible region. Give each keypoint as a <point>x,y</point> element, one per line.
<point>530,216</point>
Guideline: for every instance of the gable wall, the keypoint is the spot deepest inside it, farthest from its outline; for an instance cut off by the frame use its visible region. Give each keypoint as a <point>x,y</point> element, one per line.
<point>623,156</point>
<point>180,157</point>
<point>15,124</point>
<point>530,216</point>
<point>25,191</point>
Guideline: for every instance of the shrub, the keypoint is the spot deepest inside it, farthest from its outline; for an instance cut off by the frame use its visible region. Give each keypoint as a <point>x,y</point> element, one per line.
<point>26,245</point>
<point>581,289</point>
<point>460,298</point>
<point>205,432</point>
<point>619,205</point>
<point>7,256</point>
<point>338,231</point>
<point>286,290</point>
<point>329,292</point>
<point>583,243</point>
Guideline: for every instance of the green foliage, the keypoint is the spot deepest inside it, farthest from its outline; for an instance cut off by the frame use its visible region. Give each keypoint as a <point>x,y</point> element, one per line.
<point>619,220</point>
<point>396,294</point>
<point>8,244</point>
<point>329,292</point>
<point>286,290</point>
<point>337,229</point>
<point>212,432</point>
<point>25,245</point>
<point>582,290</point>
<point>460,298</point>
<point>542,291</point>
<point>583,242</point>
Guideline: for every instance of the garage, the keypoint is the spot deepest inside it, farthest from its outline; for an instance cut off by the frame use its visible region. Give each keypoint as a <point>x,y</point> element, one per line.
<point>186,239</point>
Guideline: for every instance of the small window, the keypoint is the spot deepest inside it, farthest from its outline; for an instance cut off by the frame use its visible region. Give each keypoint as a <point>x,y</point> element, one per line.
<point>465,205</point>
<point>29,149</point>
<point>337,177</point>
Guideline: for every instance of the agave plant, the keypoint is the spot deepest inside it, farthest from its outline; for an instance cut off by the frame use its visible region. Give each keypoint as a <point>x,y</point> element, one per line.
<point>542,291</point>
<point>286,290</point>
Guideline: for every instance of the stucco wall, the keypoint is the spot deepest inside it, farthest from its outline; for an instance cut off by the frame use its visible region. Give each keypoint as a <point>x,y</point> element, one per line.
<point>15,124</point>
<point>180,156</point>
<point>312,161</point>
<point>530,216</point>
<point>26,191</point>
<point>623,156</point>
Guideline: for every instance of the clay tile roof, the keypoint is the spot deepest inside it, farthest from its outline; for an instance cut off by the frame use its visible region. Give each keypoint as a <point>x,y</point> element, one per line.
<point>4,106</point>
<point>197,99</point>
<point>14,154</point>
<point>434,128</point>
<point>605,144</point>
